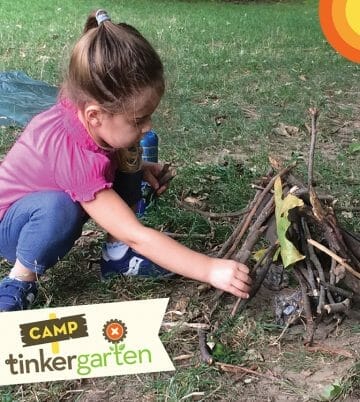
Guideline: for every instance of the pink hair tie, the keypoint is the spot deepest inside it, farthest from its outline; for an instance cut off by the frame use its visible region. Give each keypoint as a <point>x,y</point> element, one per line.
<point>101,16</point>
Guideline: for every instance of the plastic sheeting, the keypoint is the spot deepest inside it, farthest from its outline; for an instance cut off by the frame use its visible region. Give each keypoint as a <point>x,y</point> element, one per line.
<point>22,97</point>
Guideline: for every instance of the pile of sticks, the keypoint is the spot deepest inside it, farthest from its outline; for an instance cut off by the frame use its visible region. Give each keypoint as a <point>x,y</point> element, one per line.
<point>329,275</point>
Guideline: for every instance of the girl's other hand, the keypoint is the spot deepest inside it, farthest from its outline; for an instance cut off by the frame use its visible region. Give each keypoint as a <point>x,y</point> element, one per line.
<point>230,276</point>
<point>152,172</point>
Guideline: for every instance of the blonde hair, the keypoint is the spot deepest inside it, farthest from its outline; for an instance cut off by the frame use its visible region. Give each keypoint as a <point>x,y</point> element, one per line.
<point>129,159</point>
<point>110,64</point>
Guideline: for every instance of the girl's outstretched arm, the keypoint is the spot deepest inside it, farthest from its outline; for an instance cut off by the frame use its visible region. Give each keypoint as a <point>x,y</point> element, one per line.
<point>114,216</point>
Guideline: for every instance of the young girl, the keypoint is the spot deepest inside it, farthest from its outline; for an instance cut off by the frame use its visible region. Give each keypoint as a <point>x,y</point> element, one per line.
<point>80,159</point>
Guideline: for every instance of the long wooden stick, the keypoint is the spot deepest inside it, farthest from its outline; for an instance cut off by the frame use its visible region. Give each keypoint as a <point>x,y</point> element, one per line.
<point>267,259</point>
<point>340,260</point>
<point>314,113</point>
<point>224,251</point>
<point>342,292</point>
<point>212,215</point>
<point>311,325</point>
<point>318,266</point>
<point>233,368</point>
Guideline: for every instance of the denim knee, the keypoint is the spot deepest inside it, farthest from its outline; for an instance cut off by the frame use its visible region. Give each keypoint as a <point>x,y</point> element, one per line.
<point>40,229</point>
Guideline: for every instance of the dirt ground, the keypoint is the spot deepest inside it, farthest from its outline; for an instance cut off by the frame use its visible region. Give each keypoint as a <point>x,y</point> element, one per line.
<point>284,369</point>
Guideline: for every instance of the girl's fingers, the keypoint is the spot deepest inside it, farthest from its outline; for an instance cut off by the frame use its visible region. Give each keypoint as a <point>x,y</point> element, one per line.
<point>239,293</point>
<point>151,178</point>
<point>243,268</point>
<point>161,189</point>
<point>241,285</point>
<point>243,277</point>
<point>242,274</point>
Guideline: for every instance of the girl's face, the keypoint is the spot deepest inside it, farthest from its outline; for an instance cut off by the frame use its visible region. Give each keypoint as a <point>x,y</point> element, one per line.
<point>128,127</point>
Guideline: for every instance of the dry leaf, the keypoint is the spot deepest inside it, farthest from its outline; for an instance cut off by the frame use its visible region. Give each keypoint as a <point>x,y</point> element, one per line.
<point>277,164</point>
<point>286,131</point>
<point>194,201</point>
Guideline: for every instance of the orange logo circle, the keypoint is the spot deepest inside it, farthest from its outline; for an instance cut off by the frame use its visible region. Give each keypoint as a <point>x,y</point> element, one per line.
<point>340,22</point>
<point>114,331</point>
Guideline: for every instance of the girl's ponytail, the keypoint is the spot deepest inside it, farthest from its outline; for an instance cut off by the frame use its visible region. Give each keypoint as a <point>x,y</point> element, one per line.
<point>96,19</point>
<point>110,64</point>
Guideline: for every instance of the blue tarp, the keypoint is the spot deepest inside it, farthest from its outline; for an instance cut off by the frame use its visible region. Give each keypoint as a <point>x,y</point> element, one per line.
<point>22,97</point>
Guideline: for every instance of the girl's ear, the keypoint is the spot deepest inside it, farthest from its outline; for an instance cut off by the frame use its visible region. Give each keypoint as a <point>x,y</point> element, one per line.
<point>93,115</point>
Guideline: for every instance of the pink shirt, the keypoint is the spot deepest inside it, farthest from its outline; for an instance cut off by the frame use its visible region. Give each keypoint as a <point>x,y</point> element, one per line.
<point>55,152</point>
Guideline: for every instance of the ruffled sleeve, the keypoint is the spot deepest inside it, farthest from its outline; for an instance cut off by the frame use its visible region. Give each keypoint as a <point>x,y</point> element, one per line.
<point>82,172</point>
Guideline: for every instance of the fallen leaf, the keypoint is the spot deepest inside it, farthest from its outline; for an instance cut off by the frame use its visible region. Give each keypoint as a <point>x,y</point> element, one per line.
<point>276,163</point>
<point>286,131</point>
<point>193,201</point>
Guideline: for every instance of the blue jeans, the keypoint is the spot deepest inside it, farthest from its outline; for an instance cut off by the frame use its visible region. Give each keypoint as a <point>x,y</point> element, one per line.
<point>39,229</point>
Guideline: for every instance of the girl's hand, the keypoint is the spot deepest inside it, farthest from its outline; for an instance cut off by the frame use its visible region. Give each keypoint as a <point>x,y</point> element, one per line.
<point>230,276</point>
<point>151,173</point>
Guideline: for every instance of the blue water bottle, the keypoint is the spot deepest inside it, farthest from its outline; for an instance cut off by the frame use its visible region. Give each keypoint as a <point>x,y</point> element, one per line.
<point>149,144</point>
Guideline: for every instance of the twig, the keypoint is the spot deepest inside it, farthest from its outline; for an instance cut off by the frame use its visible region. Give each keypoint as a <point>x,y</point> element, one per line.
<point>261,188</point>
<point>254,233</point>
<point>303,193</point>
<point>332,272</point>
<point>193,395</point>
<point>318,267</point>
<point>292,319</point>
<point>182,357</point>
<point>338,320</point>
<point>230,241</point>
<point>316,347</point>
<point>240,304</point>
<point>204,349</point>
<point>310,324</point>
<point>212,215</point>
<point>191,325</point>
<point>166,174</point>
<point>337,290</point>
<point>235,369</point>
<point>341,307</point>
<point>310,272</point>
<point>314,113</point>
<point>340,260</point>
<point>186,235</point>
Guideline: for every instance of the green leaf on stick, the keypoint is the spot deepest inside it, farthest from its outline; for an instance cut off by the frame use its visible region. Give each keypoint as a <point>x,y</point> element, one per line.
<point>288,251</point>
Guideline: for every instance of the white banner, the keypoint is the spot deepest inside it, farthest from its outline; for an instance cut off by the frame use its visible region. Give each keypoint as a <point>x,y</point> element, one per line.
<point>82,341</point>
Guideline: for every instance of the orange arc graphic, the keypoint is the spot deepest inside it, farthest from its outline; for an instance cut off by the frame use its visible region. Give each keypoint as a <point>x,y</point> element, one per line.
<point>342,24</point>
<point>332,35</point>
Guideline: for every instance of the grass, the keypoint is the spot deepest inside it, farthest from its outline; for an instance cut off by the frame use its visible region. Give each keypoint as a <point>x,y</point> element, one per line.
<point>234,73</point>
